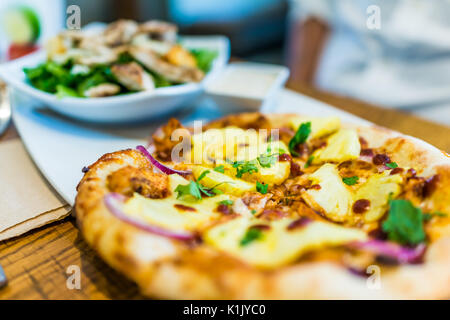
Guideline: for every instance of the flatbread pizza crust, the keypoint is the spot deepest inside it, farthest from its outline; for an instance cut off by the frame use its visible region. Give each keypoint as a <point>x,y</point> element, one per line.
<point>166,268</point>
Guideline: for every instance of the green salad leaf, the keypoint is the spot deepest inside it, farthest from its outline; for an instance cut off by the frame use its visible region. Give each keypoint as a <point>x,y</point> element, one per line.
<point>64,92</point>
<point>204,58</point>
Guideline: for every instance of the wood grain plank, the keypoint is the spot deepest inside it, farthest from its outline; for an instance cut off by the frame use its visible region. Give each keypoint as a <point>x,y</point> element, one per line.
<point>36,267</point>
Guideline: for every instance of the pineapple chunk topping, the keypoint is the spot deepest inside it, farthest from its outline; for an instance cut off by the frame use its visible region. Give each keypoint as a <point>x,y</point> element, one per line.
<point>378,189</point>
<point>222,182</point>
<point>332,198</point>
<point>260,163</point>
<point>341,146</point>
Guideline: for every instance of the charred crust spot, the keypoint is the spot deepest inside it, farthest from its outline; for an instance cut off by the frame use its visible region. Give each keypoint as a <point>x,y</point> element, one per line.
<point>125,259</point>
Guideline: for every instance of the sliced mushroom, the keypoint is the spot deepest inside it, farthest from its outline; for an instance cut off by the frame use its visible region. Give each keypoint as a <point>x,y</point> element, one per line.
<point>152,61</point>
<point>133,76</point>
<point>102,90</point>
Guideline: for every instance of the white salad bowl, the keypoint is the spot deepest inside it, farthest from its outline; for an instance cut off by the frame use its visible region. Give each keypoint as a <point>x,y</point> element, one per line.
<point>122,108</point>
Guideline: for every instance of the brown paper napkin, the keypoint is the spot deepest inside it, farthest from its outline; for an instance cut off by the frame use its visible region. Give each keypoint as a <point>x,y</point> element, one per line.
<point>27,201</point>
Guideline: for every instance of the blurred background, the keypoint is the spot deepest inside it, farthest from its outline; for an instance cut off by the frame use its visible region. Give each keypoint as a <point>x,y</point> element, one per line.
<point>391,53</point>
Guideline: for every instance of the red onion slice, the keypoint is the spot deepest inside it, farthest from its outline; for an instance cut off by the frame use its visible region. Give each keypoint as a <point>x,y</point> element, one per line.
<point>165,169</point>
<point>392,250</point>
<point>114,202</point>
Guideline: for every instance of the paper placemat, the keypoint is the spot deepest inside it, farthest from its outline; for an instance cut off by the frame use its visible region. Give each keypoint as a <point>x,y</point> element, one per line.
<point>27,200</point>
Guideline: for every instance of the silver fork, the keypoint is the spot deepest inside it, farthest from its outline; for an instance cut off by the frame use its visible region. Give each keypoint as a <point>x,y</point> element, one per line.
<point>5,108</point>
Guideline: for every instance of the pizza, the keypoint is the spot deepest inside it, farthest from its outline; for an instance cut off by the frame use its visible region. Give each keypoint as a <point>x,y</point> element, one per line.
<point>270,206</point>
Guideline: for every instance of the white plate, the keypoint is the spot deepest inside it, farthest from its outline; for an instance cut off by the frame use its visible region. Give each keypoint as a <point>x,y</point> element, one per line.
<point>123,108</point>
<point>61,147</point>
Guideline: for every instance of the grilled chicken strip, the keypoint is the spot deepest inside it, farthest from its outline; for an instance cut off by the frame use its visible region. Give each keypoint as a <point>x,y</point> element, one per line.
<point>159,30</point>
<point>120,32</point>
<point>102,90</point>
<point>173,73</point>
<point>133,76</point>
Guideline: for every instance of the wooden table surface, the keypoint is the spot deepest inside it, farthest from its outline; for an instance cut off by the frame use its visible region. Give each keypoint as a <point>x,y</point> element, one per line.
<point>36,263</point>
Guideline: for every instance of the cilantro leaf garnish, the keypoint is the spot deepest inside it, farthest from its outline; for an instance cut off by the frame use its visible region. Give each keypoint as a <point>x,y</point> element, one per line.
<point>308,162</point>
<point>392,165</point>
<point>253,211</point>
<point>220,169</point>
<point>350,180</point>
<point>303,131</point>
<point>203,174</point>
<point>261,187</point>
<point>226,202</point>
<point>267,160</point>
<point>404,223</point>
<point>251,235</point>
<point>245,167</point>
<point>190,189</point>
<point>195,189</point>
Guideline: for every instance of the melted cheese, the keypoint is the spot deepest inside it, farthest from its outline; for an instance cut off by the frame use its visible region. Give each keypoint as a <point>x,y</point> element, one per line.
<point>222,182</point>
<point>341,146</point>
<point>277,246</point>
